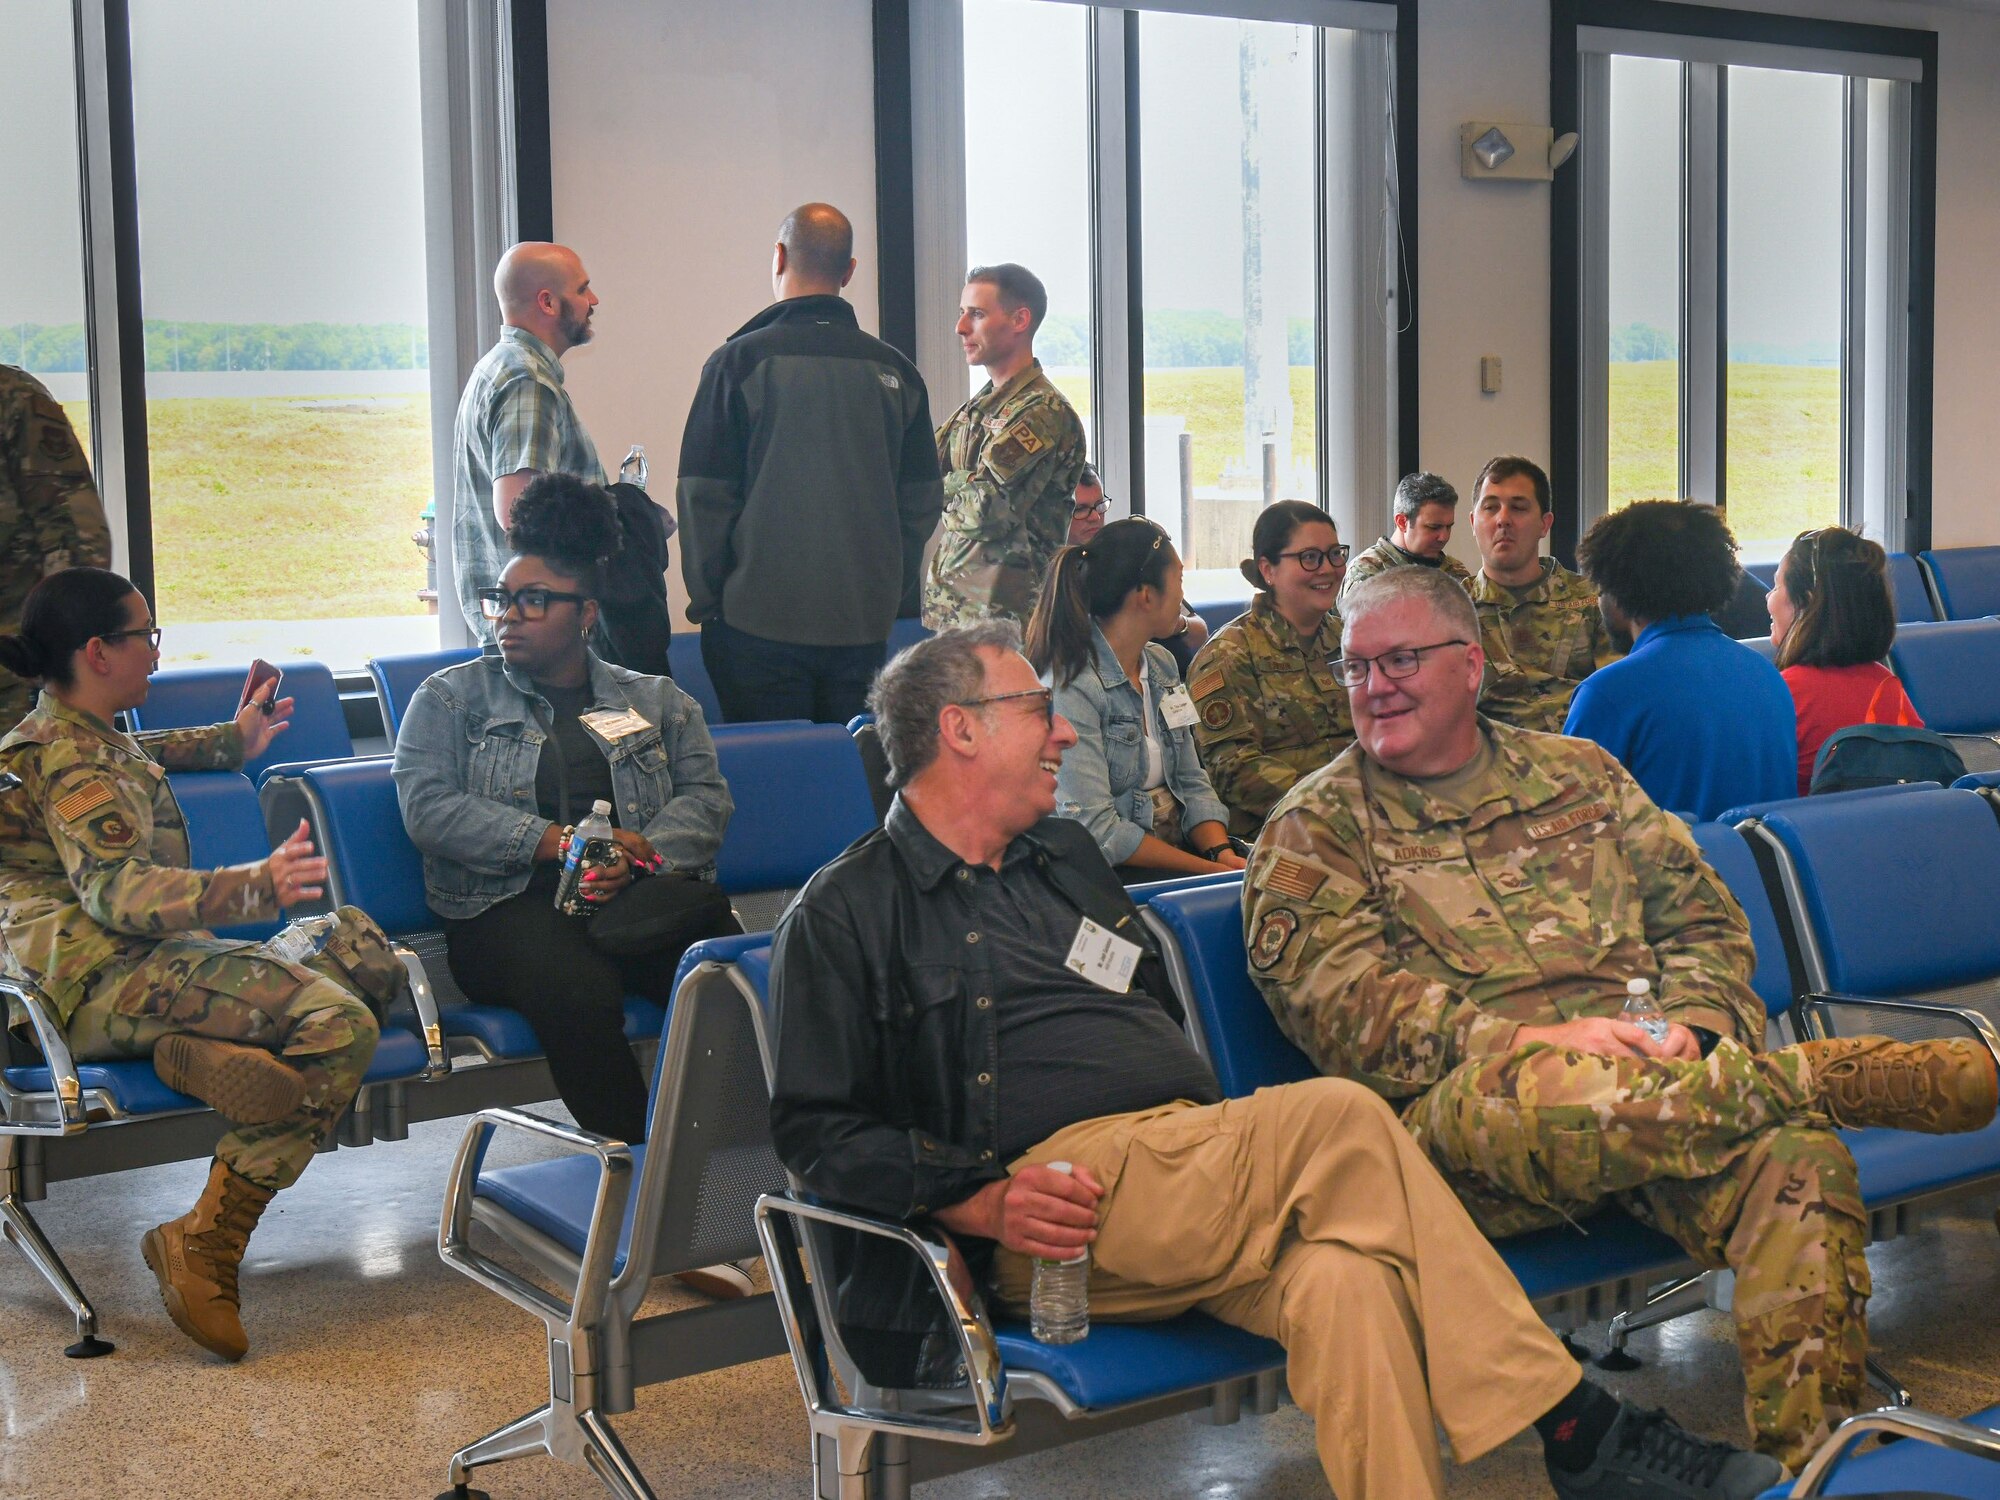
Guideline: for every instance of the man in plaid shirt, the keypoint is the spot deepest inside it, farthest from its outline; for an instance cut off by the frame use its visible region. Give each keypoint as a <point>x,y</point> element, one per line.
<point>515,419</point>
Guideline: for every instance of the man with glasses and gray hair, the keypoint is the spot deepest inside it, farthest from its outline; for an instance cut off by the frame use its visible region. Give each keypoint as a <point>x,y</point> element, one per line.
<point>1452,913</point>
<point>1426,509</point>
<point>974,1031</point>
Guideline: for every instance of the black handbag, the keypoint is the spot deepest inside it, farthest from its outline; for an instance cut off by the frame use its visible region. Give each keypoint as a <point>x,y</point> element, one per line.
<point>661,913</point>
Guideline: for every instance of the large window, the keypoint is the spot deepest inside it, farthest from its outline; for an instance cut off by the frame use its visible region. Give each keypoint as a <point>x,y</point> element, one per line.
<point>1212,202</point>
<point>1750,197</point>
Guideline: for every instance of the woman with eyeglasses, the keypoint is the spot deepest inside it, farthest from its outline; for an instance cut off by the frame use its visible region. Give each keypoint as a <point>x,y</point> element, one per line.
<point>1190,632</point>
<point>1133,778</point>
<point>497,758</point>
<point>1269,708</point>
<point>1833,621</point>
<point>101,911</point>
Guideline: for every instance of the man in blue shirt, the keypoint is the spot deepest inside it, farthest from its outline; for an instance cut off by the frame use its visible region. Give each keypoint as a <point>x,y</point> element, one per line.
<point>1702,722</point>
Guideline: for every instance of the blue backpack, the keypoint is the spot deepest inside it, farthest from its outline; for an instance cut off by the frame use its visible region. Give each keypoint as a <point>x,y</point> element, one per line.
<point>1864,755</point>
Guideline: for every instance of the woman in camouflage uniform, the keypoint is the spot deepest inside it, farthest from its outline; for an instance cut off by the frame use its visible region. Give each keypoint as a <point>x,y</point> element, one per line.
<point>102,914</point>
<point>1269,706</point>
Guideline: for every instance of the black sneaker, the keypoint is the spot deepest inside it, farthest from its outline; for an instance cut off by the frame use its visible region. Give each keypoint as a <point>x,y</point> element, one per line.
<point>1647,1455</point>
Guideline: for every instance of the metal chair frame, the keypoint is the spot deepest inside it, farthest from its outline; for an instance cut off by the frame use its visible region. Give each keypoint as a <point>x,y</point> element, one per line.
<point>1961,1437</point>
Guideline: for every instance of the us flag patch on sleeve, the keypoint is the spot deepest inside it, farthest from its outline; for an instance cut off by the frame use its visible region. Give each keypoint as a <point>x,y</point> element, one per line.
<point>1287,876</point>
<point>85,799</point>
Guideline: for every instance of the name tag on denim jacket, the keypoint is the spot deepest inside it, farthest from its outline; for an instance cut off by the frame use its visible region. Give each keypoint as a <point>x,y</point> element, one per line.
<point>616,723</point>
<point>1177,710</point>
<point>1104,958</point>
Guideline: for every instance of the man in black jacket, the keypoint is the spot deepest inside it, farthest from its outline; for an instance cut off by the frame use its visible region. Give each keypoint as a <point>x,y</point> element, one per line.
<point>968,994</point>
<point>808,488</point>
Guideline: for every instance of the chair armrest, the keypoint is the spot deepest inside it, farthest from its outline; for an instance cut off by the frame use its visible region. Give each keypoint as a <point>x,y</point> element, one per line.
<point>423,1000</point>
<point>600,1245</point>
<point>1946,1433</point>
<point>809,1322</point>
<point>28,1114</point>
<point>1819,1009</point>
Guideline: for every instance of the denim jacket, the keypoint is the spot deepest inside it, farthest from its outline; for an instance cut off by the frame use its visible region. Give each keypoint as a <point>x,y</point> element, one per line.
<point>1100,783</point>
<point>465,765</point>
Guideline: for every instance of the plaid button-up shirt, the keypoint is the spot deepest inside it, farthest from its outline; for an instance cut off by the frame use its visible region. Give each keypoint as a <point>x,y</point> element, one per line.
<point>514,415</point>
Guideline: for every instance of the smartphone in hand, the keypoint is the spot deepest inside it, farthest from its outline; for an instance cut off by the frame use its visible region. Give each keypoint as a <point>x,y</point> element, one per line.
<point>261,686</point>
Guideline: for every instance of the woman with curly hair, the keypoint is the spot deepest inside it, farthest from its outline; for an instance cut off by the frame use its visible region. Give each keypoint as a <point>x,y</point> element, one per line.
<point>497,757</point>
<point>1702,722</point>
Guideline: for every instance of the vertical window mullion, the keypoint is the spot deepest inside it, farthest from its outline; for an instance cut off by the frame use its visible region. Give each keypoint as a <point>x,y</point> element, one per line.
<point>1593,352</point>
<point>1703,386</point>
<point>1115,368</point>
<point>1854,273</point>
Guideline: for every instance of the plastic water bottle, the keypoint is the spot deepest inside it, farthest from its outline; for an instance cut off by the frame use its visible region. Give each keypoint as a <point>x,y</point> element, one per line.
<point>633,470</point>
<point>590,846</point>
<point>1059,1297</point>
<point>301,940</point>
<point>1643,1011</point>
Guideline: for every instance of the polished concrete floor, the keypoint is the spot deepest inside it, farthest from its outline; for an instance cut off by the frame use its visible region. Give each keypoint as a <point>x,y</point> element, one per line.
<point>371,1362</point>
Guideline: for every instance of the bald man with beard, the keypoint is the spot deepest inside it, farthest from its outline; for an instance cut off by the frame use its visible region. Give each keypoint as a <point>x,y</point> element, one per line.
<point>515,420</point>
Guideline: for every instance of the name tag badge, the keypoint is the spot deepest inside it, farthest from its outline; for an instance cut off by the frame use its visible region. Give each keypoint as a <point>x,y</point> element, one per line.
<point>1177,709</point>
<point>1104,958</point>
<point>616,724</point>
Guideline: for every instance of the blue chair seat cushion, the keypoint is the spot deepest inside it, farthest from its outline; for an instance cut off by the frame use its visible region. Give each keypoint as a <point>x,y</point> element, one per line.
<point>1898,1164</point>
<point>504,1033</point>
<point>555,1197</point>
<point>1119,1363</point>
<point>1916,1468</point>
<point>1549,1262</point>
<point>399,1054</point>
<point>130,1083</point>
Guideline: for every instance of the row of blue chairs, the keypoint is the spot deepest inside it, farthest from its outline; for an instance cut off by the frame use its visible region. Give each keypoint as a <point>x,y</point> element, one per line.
<point>1952,583</point>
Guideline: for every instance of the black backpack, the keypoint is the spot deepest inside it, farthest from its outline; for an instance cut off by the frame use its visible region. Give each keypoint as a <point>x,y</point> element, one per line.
<point>634,628</point>
<point>1864,755</point>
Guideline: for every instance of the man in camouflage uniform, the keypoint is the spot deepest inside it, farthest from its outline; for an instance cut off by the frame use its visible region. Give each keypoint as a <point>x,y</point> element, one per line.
<point>1426,509</point>
<point>1450,912</point>
<point>102,913</point>
<point>1539,623</point>
<point>1011,457</point>
<point>50,516</point>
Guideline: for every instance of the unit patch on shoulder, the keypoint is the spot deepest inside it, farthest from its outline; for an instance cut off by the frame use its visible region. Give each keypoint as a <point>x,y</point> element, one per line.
<point>1209,682</point>
<point>1292,877</point>
<point>114,832</point>
<point>85,799</point>
<point>1576,817</point>
<point>1217,713</point>
<point>1273,934</point>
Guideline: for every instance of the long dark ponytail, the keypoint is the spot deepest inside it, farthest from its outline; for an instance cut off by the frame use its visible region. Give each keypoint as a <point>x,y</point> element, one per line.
<point>1091,583</point>
<point>61,615</point>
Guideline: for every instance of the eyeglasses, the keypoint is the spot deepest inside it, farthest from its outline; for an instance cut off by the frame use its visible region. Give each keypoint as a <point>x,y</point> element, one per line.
<point>1047,707</point>
<point>1097,508</point>
<point>151,634</point>
<point>533,603</point>
<point>1312,559</point>
<point>1396,665</point>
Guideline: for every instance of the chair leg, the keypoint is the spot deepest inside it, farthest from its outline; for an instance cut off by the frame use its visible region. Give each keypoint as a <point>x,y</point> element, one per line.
<point>848,1464</point>
<point>520,1438</point>
<point>18,1225</point>
<point>1884,1380</point>
<point>1674,1300</point>
<point>603,1453</point>
<point>892,1468</point>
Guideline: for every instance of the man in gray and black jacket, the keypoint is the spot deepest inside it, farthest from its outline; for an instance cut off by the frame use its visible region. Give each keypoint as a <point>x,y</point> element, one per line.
<point>808,488</point>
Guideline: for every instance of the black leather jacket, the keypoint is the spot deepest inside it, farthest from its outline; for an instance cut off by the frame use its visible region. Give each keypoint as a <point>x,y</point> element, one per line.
<point>888,1052</point>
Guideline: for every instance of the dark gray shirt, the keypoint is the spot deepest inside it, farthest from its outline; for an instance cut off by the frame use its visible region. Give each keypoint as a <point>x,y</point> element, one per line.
<point>1069,1049</point>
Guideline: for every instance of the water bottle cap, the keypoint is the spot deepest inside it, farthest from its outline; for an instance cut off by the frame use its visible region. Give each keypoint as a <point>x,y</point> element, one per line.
<point>601,807</point>
<point>1059,1166</point>
<point>1638,986</point>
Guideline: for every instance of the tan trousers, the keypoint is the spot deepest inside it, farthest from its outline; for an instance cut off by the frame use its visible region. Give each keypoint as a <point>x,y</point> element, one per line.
<point>1308,1215</point>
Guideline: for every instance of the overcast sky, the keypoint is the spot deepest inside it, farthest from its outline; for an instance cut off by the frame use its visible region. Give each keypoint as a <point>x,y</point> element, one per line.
<point>280,161</point>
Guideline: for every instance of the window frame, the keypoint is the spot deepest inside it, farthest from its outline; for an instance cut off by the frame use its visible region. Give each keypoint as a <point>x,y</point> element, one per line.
<point>1578,437</point>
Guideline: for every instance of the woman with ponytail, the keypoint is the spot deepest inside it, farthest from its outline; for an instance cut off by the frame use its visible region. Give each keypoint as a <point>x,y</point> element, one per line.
<point>102,914</point>
<point>1133,778</point>
<point>497,758</point>
<point>1833,621</point>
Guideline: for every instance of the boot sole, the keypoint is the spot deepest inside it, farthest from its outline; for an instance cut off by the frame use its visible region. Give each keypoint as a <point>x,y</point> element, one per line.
<point>245,1085</point>
<point>152,1247</point>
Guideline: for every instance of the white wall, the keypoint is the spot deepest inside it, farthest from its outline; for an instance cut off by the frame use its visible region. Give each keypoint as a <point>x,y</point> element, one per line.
<point>681,135</point>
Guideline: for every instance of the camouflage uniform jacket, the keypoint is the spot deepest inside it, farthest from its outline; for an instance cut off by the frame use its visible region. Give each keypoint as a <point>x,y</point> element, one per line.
<point>94,852</point>
<point>1010,458</point>
<point>50,516</point>
<point>1396,937</point>
<point>1539,647</point>
<point>1271,709</point>
<point>1385,554</point>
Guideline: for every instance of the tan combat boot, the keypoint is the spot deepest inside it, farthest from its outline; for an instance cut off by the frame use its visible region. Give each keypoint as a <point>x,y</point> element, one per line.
<point>196,1256</point>
<point>245,1085</point>
<point>1938,1087</point>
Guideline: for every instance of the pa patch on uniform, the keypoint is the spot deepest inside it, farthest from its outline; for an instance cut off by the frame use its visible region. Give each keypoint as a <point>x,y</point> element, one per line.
<point>1273,934</point>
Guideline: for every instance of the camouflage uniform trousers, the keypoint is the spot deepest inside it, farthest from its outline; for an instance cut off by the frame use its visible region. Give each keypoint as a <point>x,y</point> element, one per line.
<point>1728,1155</point>
<point>304,1012</point>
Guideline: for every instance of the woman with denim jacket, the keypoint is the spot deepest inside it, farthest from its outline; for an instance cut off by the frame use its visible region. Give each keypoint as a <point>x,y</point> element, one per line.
<point>493,759</point>
<point>1133,778</point>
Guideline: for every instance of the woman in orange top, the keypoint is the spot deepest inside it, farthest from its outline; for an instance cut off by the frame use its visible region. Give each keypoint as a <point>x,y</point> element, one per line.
<point>1833,620</point>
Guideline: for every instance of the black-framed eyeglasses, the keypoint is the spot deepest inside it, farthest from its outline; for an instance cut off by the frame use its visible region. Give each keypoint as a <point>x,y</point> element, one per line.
<point>532,602</point>
<point>1312,559</point>
<point>1396,665</point>
<point>1047,706</point>
<point>1095,508</point>
<point>150,632</point>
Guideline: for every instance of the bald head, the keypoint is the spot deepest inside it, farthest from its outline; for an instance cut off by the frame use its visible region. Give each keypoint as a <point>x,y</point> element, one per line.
<point>543,288</point>
<point>815,252</point>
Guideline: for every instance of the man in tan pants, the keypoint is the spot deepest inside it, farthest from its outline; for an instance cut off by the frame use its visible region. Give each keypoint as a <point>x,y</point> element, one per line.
<point>968,995</point>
